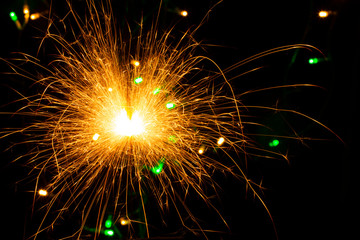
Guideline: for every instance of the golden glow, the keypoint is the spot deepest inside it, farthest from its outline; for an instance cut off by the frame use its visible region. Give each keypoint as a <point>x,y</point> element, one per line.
<point>34,16</point>
<point>110,89</point>
<point>128,126</point>
<point>43,192</point>
<point>220,141</point>
<point>184,13</point>
<point>323,14</point>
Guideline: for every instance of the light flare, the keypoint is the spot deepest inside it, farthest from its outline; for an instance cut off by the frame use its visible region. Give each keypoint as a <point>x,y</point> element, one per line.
<point>128,126</point>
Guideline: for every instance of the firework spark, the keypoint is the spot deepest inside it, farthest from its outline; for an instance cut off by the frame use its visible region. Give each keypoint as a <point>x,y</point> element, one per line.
<point>119,116</point>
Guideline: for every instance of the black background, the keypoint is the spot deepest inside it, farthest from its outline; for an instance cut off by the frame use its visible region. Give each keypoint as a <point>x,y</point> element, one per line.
<point>309,198</point>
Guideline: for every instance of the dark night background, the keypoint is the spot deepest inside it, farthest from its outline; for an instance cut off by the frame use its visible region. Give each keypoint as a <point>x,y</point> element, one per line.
<point>309,198</point>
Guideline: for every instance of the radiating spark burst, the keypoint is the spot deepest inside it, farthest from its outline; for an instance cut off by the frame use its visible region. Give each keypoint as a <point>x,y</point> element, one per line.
<point>106,119</point>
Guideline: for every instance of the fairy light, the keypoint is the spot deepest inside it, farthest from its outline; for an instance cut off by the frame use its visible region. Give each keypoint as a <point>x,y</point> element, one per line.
<point>156,91</point>
<point>313,60</point>
<point>109,232</point>
<point>323,14</point>
<point>96,136</point>
<point>135,63</point>
<point>138,80</point>
<point>13,16</point>
<point>34,16</point>
<point>26,10</point>
<point>124,221</point>
<point>274,143</point>
<point>201,150</point>
<point>158,168</point>
<point>108,223</point>
<point>184,13</point>
<point>220,141</point>
<point>42,192</point>
<point>173,139</point>
<point>170,105</point>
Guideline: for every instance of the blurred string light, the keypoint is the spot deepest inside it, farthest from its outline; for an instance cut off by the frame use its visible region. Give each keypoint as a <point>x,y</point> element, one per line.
<point>13,16</point>
<point>135,63</point>
<point>201,150</point>
<point>108,222</point>
<point>42,192</point>
<point>323,14</point>
<point>96,136</point>
<point>170,105</point>
<point>27,17</point>
<point>220,141</point>
<point>124,221</point>
<point>138,80</point>
<point>184,13</point>
<point>35,16</point>
<point>156,91</point>
<point>274,143</point>
<point>15,19</point>
<point>26,12</point>
<point>157,169</point>
<point>313,60</point>
<point>109,232</point>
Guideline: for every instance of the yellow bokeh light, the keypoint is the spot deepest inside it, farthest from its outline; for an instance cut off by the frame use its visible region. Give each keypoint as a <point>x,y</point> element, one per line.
<point>323,14</point>
<point>135,63</point>
<point>184,13</point>
<point>128,126</point>
<point>34,16</point>
<point>43,192</point>
<point>220,141</point>
<point>201,150</point>
<point>124,221</point>
<point>96,136</point>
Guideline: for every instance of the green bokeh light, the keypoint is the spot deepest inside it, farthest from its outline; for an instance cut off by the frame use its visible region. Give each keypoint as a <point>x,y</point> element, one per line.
<point>138,80</point>
<point>108,232</point>
<point>313,60</point>
<point>170,105</point>
<point>158,168</point>
<point>108,223</point>
<point>156,91</point>
<point>173,138</point>
<point>274,143</point>
<point>13,16</point>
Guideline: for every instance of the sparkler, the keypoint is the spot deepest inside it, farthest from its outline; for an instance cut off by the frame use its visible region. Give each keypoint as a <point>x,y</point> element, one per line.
<point>112,120</point>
